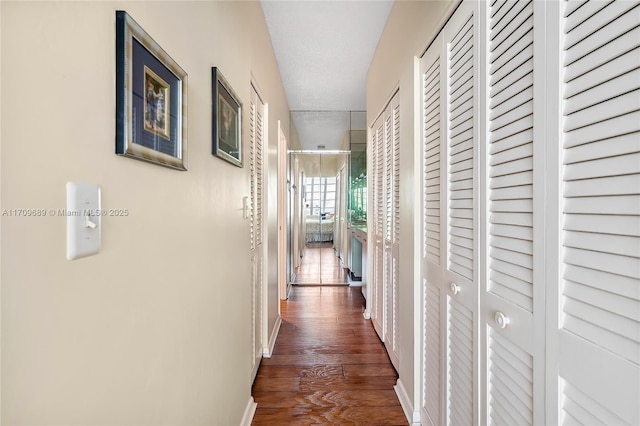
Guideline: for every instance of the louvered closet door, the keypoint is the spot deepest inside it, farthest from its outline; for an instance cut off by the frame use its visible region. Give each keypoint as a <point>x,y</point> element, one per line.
<point>599,332</point>
<point>377,179</point>
<point>432,251</point>
<point>391,227</point>
<point>460,267</point>
<point>256,158</point>
<point>514,352</point>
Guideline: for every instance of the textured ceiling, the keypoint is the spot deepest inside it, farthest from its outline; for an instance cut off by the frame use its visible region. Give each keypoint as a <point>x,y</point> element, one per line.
<point>324,49</point>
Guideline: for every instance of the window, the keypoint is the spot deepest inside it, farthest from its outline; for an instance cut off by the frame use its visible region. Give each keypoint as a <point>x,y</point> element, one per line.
<point>321,195</point>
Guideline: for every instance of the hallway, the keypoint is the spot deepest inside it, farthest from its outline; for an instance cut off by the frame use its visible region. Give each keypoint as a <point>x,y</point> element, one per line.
<point>328,365</point>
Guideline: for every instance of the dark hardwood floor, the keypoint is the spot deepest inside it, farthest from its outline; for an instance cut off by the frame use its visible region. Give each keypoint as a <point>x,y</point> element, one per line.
<point>328,365</point>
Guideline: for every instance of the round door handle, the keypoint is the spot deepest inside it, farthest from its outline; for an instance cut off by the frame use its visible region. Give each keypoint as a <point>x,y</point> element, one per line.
<point>455,288</point>
<point>501,319</point>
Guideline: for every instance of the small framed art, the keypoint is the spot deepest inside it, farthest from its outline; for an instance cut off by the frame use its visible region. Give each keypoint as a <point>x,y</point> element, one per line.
<point>226,119</point>
<point>151,98</point>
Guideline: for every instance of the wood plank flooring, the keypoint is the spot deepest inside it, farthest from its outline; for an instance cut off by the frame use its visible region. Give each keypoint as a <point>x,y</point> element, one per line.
<point>328,365</point>
<point>319,265</point>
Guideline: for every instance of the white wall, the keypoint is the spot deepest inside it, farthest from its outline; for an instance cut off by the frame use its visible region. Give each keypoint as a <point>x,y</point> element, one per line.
<point>156,328</point>
<point>409,29</point>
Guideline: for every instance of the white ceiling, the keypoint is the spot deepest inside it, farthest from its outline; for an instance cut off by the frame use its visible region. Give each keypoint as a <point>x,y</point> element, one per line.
<point>324,49</point>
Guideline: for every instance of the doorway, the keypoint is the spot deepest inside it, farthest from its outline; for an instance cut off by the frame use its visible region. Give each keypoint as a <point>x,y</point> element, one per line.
<point>319,217</point>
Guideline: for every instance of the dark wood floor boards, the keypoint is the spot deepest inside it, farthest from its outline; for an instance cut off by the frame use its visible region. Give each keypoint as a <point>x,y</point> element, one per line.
<point>328,365</point>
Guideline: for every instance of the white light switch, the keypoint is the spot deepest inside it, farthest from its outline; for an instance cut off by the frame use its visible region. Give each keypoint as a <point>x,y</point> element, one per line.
<point>83,220</point>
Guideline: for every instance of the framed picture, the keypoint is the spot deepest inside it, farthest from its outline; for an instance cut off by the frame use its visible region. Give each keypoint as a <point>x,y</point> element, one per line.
<point>151,99</point>
<point>226,119</point>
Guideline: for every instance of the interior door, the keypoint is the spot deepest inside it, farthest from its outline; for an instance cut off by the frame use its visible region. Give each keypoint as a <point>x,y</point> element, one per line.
<point>512,295</point>
<point>377,168</point>
<point>256,215</point>
<point>461,227</point>
<point>432,251</point>
<point>392,228</point>
<point>599,342</point>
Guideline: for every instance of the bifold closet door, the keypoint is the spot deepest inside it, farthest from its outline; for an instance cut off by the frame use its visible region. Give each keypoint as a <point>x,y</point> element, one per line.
<point>449,162</point>
<point>433,236</point>
<point>377,181</point>
<point>385,177</point>
<point>391,240</point>
<point>512,296</point>
<point>449,184</point>
<point>599,338</point>
<point>460,272</point>
<point>256,159</point>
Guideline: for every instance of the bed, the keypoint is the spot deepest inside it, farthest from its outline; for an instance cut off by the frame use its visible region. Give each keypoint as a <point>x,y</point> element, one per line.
<point>319,230</point>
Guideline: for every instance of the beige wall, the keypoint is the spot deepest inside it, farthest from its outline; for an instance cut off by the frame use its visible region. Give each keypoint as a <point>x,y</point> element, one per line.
<point>156,328</point>
<point>409,29</point>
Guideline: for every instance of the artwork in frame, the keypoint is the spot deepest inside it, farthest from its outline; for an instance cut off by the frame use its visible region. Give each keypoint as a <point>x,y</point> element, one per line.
<point>226,120</point>
<point>151,99</point>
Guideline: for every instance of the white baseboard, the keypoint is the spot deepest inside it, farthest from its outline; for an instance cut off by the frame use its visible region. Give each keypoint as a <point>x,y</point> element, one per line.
<point>249,411</point>
<point>268,351</point>
<point>413,416</point>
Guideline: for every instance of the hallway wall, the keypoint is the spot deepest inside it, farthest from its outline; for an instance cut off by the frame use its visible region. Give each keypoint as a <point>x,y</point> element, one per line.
<point>410,27</point>
<point>156,328</point>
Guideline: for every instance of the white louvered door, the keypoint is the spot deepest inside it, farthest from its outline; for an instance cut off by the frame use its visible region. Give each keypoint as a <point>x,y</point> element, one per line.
<point>599,338</point>
<point>392,227</point>
<point>385,176</point>
<point>449,184</point>
<point>377,179</point>
<point>256,213</point>
<point>461,231</point>
<point>531,222</point>
<point>512,305</point>
<point>433,238</point>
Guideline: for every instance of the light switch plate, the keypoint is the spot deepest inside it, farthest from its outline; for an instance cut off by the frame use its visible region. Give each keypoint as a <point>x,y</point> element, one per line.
<point>84,220</point>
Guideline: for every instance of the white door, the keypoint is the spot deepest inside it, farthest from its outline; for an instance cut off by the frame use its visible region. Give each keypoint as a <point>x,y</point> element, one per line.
<point>433,286</point>
<point>460,268</point>
<point>391,238</point>
<point>377,174</point>
<point>256,215</point>
<point>512,295</point>
<point>598,330</point>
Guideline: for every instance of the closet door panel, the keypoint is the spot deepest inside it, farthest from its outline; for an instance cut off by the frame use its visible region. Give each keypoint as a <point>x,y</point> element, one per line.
<point>600,286</point>
<point>460,194</point>
<point>433,235</point>
<point>377,169</point>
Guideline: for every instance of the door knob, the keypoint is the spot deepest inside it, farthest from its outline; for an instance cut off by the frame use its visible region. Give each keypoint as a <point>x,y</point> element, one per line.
<point>455,288</point>
<point>501,319</point>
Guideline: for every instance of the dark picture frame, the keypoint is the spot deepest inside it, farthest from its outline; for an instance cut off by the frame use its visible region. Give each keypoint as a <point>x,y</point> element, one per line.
<point>151,99</point>
<point>226,120</point>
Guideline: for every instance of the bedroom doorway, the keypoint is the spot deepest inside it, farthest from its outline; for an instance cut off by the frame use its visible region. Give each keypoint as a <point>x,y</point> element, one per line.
<point>319,209</point>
